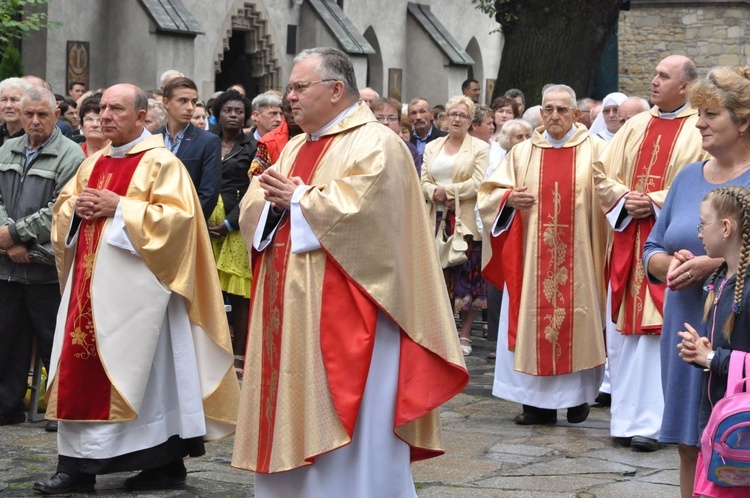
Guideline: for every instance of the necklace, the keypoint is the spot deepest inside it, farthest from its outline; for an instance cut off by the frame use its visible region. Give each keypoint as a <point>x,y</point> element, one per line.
<point>226,147</point>
<point>736,170</point>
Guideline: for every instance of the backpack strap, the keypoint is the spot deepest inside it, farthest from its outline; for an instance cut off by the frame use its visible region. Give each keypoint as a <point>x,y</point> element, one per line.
<point>737,363</point>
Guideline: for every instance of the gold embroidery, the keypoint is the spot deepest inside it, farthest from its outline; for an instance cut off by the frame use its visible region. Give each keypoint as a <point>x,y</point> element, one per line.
<point>639,274</point>
<point>646,180</point>
<point>557,274</point>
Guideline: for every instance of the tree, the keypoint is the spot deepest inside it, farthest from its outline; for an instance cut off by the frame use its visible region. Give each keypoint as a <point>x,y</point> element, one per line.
<point>11,65</point>
<point>550,41</point>
<point>17,18</point>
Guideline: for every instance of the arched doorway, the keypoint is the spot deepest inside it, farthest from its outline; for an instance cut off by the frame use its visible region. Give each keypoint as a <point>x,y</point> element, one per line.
<point>374,64</point>
<point>477,70</point>
<point>247,54</point>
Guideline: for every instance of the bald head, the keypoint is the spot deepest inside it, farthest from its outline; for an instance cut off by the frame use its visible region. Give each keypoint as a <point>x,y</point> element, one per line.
<point>367,95</point>
<point>669,87</point>
<point>630,107</point>
<point>34,80</point>
<point>123,111</point>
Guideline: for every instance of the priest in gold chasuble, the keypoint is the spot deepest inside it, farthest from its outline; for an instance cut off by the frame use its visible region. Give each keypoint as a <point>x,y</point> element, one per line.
<point>352,345</point>
<point>548,247</point>
<point>632,177</point>
<point>142,364</point>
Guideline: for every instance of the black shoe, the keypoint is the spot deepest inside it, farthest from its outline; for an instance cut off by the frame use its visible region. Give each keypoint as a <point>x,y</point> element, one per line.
<point>528,418</point>
<point>167,476</point>
<point>641,443</point>
<point>622,441</point>
<point>12,418</point>
<point>51,426</point>
<point>604,399</point>
<point>578,414</point>
<point>62,483</point>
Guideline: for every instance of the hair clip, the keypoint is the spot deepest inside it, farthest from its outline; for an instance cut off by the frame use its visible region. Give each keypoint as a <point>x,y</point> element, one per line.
<point>737,308</point>
<point>708,288</point>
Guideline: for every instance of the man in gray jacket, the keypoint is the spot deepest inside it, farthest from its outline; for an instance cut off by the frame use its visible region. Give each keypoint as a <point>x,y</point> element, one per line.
<point>33,170</point>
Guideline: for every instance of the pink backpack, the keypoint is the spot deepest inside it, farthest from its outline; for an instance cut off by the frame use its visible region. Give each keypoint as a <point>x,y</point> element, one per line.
<point>725,443</point>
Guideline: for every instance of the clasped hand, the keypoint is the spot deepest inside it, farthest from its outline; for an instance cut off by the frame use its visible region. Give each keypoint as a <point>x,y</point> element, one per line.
<point>693,348</point>
<point>519,198</point>
<point>638,205</point>
<point>92,204</point>
<point>687,270</point>
<point>277,188</point>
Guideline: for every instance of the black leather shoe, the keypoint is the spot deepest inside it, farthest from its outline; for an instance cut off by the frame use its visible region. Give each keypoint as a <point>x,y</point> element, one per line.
<point>578,414</point>
<point>51,426</point>
<point>604,399</point>
<point>641,443</point>
<point>168,476</point>
<point>528,418</point>
<point>62,483</point>
<point>622,441</point>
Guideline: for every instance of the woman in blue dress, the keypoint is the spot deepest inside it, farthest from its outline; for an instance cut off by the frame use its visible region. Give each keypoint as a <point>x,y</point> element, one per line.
<point>673,253</point>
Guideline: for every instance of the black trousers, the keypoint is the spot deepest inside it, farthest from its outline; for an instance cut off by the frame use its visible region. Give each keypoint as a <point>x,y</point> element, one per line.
<point>494,299</point>
<point>27,311</point>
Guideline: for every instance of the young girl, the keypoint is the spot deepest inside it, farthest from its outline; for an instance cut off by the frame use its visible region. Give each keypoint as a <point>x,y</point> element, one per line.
<point>725,233</point>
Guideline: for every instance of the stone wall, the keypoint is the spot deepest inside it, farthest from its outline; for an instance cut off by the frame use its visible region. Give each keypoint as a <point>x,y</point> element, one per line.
<point>711,33</point>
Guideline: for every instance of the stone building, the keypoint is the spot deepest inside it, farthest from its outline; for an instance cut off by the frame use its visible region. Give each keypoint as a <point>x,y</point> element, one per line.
<point>425,48</point>
<point>711,32</point>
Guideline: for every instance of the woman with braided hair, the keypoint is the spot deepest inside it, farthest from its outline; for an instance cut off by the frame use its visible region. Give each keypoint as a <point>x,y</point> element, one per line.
<point>672,254</point>
<point>725,233</point>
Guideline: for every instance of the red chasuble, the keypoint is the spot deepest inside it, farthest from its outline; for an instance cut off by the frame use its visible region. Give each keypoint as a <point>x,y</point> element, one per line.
<point>627,273</point>
<point>554,265</point>
<point>84,390</point>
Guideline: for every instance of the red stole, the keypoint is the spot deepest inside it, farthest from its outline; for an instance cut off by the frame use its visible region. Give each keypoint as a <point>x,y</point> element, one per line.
<point>627,273</point>
<point>555,261</point>
<point>274,260</point>
<point>84,390</point>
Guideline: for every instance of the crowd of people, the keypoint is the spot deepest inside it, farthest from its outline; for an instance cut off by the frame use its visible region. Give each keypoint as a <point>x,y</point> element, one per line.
<point>355,241</point>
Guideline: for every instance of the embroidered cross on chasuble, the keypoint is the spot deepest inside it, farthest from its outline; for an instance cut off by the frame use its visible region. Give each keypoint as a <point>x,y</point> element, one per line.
<point>630,286</point>
<point>84,390</point>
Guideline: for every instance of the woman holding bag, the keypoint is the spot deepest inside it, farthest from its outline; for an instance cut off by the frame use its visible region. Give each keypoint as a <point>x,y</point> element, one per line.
<point>452,169</point>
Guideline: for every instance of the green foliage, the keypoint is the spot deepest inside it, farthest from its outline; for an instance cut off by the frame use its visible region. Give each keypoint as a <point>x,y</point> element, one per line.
<point>14,26</point>
<point>503,11</point>
<point>11,65</point>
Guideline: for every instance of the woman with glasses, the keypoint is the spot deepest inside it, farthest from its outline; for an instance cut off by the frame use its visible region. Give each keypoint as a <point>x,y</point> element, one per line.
<point>91,127</point>
<point>452,170</point>
<point>388,112</point>
<point>675,255</point>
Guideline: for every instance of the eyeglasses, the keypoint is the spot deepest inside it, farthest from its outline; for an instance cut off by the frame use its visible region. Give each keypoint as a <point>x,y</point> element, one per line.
<point>301,86</point>
<point>704,225</point>
<point>390,119</point>
<point>612,110</point>
<point>459,115</point>
<point>92,119</point>
<point>561,111</point>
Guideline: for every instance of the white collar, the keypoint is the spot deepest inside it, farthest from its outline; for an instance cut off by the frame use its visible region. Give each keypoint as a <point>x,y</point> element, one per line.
<point>315,136</point>
<point>122,150</point>
<point>557,144</point>
<point>672,115</point>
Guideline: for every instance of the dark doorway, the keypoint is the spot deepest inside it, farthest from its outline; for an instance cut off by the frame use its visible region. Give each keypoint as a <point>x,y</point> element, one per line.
<point>237,66</point>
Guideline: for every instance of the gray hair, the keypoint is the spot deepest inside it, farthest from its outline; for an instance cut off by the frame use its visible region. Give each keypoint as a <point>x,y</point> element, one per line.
<point>334,65</point>
<point>39,94</point>
<point>160,113</point>
<point>533,116</point>
<point>509,129</point>
<point>560,88</point>
<point>15,84</point>
<point>166,74</point>
<point>689,73</point>
<point>265,100</point>
<point>583,103</point>
<point>141,100</point>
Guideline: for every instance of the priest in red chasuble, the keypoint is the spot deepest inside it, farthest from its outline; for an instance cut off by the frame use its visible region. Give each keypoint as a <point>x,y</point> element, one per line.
<point>352,345</point>
<point>632,178</point>
<point>548,247</point>
<point>142,364</point>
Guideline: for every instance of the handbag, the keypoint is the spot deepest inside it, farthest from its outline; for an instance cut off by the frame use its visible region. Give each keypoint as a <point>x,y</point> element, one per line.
<point>452,248</point>
<point>725,443</point>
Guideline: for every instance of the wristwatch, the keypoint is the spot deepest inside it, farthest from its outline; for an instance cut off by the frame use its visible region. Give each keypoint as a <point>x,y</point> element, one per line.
<point>709,359</point>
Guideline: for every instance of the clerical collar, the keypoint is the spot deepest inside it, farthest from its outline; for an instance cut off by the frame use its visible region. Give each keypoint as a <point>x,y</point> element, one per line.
<point>315,136</point>
<point>559,143</point>
<point>673,114</point>
<point>122,150</point>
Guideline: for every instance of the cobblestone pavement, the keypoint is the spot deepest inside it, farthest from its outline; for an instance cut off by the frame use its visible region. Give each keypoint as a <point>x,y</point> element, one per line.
<point>487,456</point>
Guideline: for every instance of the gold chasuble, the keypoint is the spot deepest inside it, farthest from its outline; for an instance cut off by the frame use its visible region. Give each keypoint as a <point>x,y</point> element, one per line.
<point>114,302</point>
<point>644,156</point>
<point>312,326</point>
<point>551,257</point>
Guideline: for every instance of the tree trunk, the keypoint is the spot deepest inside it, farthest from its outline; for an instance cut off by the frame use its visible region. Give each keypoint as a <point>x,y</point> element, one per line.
<point>552,41</point>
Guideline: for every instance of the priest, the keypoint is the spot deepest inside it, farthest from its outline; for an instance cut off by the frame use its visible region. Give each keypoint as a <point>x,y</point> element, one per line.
<point>632,178</point>
<point>142,365</point>
<point>547,251</point>
<point>352,344</point>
